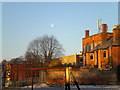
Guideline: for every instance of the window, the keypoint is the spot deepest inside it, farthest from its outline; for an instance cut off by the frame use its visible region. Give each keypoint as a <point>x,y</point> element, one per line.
<point>88,48</point>
<point>92,46</point>
<point>98,42</point>
<point>91,57</point>
<point>84,47</point>
<point>95,44</point>
<point>104,54</point>
<point>81,60</point>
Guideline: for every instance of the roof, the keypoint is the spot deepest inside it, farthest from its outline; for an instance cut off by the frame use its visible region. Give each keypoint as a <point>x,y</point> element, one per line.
<point>97,34</point>
<point>108,43</point>
<point>17,60</point>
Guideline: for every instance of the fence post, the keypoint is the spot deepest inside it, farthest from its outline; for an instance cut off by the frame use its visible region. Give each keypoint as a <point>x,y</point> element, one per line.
<point>32,80</point>
<point>67,78</point>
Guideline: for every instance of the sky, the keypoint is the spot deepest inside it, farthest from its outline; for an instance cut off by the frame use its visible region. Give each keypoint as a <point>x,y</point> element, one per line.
<point>24,21</point>
<point>119,12</point>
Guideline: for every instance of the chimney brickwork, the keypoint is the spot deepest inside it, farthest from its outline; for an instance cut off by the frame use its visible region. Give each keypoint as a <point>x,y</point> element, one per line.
<point>104,27</point>
<point>116,33</point>
<point>86,33</point>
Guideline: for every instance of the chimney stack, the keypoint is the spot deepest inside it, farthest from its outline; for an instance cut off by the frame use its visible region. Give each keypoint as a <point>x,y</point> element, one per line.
<point>86,33</point>
<point>104,27</point>
<point>116,33</point>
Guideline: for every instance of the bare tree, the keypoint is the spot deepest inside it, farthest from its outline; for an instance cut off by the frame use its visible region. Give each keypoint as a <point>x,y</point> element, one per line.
<point>44,49</point>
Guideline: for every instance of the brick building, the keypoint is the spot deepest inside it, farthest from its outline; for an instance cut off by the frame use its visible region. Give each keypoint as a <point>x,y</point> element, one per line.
<point>16,64</point>
<point>102,50</point>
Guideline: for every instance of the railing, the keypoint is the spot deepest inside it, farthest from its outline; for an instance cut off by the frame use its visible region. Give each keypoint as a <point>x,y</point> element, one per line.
<point>27,76</point>
<point>57,76</point>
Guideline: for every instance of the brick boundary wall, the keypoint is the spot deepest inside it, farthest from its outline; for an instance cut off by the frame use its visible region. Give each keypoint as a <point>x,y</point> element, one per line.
<point>85,77</point>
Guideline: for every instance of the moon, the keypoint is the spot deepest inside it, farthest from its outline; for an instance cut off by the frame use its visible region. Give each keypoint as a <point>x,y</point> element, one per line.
<point>52,25</point>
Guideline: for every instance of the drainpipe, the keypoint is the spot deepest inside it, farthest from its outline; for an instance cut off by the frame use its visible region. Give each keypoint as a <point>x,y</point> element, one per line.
<point>97,57</point>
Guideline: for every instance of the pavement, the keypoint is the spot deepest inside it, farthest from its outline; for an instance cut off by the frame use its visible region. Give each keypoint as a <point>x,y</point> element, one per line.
<point>73,87</point>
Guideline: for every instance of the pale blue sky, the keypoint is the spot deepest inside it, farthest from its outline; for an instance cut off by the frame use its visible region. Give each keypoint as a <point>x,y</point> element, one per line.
<point>23,22</point>
<point>119,12</point>
<point>0,31</point>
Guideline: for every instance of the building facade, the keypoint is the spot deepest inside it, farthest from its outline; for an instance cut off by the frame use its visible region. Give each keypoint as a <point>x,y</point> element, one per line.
<point>75,60</point>
<point>102,50</point>
<point>14,76</point>
<point>70,60</point>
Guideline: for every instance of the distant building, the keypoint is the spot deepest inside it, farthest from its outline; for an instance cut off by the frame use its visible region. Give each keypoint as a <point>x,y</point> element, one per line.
<point>75,59</point>
<point>17,64</point>
<point>71,60</point>
<point>102,50</point>
<point>15,72</point>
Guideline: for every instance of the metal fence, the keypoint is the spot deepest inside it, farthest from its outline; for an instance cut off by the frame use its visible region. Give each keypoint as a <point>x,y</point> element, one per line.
<point>57,77</point>
<point>33,77</point>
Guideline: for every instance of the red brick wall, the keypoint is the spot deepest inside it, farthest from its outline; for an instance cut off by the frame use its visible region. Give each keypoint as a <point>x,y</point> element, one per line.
<point>18,75</point>
<point>96,39</point>
<point>116,56</point>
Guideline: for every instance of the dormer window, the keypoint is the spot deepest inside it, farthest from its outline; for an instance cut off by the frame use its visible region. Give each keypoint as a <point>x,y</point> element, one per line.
<point>91,46</point>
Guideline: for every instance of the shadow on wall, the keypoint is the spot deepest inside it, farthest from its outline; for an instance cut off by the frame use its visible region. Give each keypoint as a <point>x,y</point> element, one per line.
<point>118,74</point>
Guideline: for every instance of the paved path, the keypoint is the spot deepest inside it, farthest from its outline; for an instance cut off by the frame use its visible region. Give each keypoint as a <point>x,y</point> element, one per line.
<point>73,88</point>
<point>64,89</point>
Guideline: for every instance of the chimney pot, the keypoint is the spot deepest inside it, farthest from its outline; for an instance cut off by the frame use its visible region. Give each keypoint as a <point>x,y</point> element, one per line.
<point>86,33</point>
<point>104,27</point>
